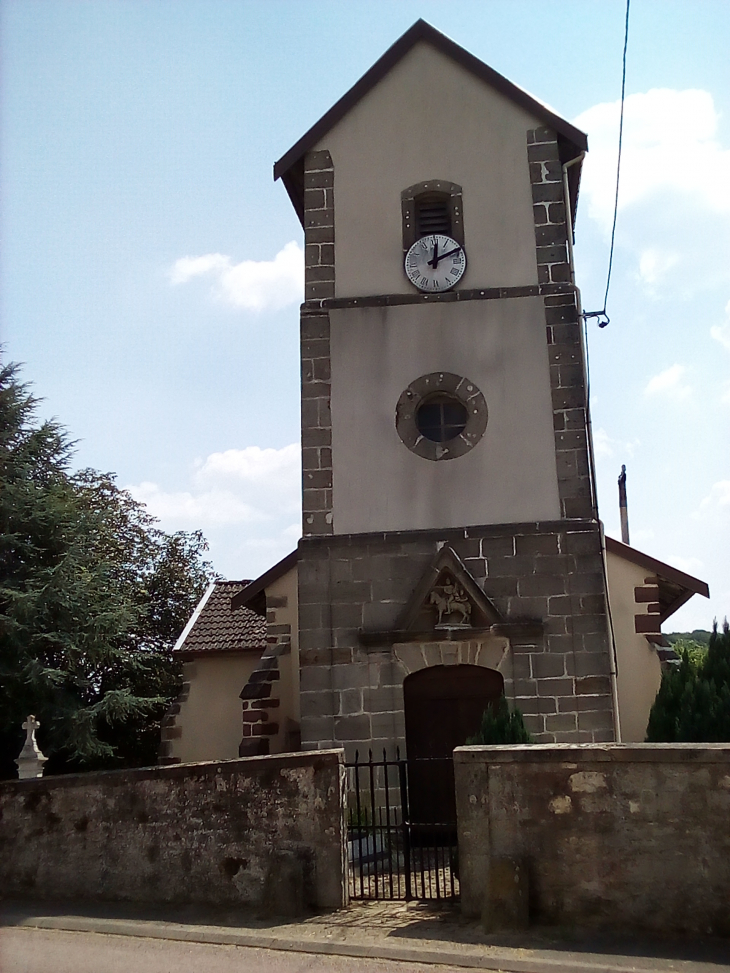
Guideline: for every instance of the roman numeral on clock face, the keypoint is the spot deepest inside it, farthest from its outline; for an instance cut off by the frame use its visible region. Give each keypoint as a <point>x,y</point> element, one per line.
<point>419,268</point>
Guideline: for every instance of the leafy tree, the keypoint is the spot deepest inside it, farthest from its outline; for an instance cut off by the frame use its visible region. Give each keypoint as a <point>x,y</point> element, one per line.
<point>693,702</point>
<point>694,649</point>
<point>699,636</point>
<point>92,598</point>
<point>500,725</point>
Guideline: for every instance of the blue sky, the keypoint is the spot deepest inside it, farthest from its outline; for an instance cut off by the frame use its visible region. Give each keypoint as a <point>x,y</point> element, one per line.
<point>151,272</point>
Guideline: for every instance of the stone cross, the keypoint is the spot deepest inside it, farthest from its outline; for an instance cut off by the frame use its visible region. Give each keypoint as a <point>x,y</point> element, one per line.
<point>30,759</point>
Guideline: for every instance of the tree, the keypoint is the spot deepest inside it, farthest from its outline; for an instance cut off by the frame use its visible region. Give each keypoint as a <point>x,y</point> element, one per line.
<point>699,636</point>
<point>500,726</point>
<point>693,702</point>
<point>92,598</point>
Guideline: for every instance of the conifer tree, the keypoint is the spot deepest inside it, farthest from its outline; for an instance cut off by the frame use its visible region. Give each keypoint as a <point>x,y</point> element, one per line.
<point>500,726</point>
<point>92,598</point>
<point>693,702</point>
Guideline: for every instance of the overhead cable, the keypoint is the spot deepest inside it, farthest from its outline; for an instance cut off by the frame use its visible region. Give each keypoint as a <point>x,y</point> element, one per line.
<point>602,316</point>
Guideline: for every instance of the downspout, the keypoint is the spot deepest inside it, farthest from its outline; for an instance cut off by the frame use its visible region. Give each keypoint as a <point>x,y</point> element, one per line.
<point>613,657</point>
<point>589,435</point>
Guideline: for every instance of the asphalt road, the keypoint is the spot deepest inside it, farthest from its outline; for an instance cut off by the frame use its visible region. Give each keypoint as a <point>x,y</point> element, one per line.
<point>27,950</point>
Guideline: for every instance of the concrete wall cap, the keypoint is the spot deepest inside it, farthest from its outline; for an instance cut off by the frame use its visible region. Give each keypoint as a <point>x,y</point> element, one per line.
<point>239,765</point>
<point>596,753</point>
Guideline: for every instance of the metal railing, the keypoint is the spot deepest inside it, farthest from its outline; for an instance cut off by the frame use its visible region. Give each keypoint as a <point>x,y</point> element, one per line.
<point>402,838</point>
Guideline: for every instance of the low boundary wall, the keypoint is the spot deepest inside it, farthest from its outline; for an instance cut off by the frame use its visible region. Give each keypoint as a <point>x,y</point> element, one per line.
<point>626,837</point>
<point>266,832</point>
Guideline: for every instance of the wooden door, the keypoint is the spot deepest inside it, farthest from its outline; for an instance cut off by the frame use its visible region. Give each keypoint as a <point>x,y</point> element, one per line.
<point>443,707</point>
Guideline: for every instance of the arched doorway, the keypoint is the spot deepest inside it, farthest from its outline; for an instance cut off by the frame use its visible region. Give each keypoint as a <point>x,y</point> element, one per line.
<point>443,707</point>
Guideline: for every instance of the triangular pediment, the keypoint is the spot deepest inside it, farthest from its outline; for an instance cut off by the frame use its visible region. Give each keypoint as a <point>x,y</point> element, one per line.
<point>448,599</point>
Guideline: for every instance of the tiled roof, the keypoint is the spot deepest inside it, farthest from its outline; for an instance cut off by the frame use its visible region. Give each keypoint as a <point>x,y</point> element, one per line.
<point>215,627</point>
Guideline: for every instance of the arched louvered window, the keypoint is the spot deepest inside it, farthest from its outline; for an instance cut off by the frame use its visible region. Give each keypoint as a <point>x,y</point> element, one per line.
<point>429,207</point>
<point>433,214</point>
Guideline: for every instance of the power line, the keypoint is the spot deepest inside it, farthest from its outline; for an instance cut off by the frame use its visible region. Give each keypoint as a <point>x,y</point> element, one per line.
<point>601,315</point>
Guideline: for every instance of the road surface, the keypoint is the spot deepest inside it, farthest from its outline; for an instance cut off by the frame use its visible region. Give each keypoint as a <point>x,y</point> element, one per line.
<point>28,950</point>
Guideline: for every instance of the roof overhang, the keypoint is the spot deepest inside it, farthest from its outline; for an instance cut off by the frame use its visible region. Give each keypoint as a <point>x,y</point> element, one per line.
<point>675,587</point>
<point>249,596</point>
<point>572,142</point>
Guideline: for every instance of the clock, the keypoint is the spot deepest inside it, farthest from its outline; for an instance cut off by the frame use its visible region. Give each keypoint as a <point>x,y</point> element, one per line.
<point>435,263</point>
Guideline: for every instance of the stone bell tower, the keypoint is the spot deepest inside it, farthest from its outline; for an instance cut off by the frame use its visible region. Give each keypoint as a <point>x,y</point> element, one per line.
<point>449,514</point>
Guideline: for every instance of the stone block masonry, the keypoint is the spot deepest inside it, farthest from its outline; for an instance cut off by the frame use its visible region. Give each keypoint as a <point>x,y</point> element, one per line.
<point>319,284</point>
<point>206,833</point>
<point>629,838</point>
<point>319,225</point>
<point>316,423</point>
<point>565,346</point>
<point>549,573</point>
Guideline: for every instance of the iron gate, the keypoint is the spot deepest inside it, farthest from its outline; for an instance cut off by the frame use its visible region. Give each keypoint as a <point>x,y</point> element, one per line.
<point>402,828</point>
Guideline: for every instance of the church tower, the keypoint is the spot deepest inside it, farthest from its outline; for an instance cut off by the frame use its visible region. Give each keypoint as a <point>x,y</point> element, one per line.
<point>452,549</point>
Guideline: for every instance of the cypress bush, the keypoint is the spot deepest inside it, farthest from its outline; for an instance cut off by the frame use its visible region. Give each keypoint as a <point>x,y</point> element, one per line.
<point>693,702</point>
<point>500,726</point>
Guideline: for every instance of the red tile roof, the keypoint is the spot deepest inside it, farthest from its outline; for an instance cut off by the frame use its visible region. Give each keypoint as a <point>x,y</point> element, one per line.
<point>216,627</point>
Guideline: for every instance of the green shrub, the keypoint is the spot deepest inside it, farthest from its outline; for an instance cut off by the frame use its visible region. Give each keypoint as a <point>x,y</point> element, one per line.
<point>500,726</point>
<point>693,702</point>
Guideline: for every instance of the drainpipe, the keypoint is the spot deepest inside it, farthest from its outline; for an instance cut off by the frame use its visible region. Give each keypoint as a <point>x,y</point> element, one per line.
<point>613,659</point>
<point>622,506</point>
<point>591,458</point>
<point>569,212</point>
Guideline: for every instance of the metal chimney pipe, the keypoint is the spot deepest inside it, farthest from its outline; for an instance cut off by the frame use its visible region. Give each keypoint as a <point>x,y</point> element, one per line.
<point>622,507</point>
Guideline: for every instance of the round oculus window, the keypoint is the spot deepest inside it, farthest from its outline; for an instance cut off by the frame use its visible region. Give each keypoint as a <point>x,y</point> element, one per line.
<point>441,416</point>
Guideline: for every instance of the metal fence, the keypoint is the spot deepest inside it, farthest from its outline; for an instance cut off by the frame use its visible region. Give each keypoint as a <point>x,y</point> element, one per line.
<point>402,829</point>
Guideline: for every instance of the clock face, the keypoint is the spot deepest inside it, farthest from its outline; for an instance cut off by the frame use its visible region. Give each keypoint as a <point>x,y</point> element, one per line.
<point>435,263</point>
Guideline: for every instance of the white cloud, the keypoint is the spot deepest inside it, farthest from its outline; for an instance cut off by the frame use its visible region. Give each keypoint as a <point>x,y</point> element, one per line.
<point>655,264</point>
<point>606,447</point>
<point>721,332</point>
<point>669,144</point>
<point>717,499</point>
<point>237,487</point>
<point>254,285</point>
<point>674,196</point>
<point>190,511</point>
<point>603,444</point>
<point>187,267</point>
<point>670,381</point>
<point>273,471</point>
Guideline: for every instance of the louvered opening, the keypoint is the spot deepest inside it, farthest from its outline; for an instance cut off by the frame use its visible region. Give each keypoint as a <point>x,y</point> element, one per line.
<point>433,214</point>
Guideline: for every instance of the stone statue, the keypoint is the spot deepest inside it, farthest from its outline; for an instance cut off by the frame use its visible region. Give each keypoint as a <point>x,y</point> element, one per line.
<point>450,599</point>
<point>30,759</point>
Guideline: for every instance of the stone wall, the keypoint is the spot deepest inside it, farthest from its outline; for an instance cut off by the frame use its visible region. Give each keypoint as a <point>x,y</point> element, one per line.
<point>565,345</point>
<point>316,423</point>
<point>627,837</point>
<point>264,832</point>
<point>351,695</point>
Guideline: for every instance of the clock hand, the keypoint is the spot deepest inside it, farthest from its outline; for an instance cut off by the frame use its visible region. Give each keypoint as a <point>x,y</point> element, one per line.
<point>433,262</point>
<point>443,256</point>
<point>435,259</point>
